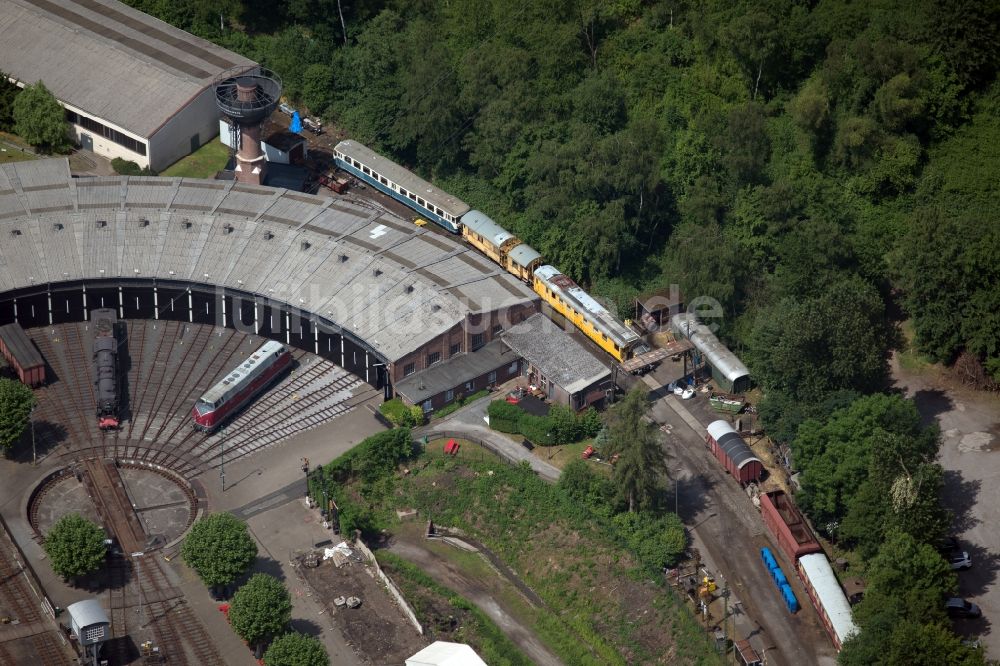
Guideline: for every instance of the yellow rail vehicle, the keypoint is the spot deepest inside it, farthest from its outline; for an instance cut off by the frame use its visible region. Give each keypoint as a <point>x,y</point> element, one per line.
<point>568,299</point>
<point>503,247</point>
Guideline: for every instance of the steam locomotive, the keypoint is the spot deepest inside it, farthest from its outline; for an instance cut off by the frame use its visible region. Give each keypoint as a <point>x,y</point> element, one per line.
<point>106,380</point>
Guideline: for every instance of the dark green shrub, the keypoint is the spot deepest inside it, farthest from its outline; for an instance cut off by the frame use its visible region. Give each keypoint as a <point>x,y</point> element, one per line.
<point>504,417</point>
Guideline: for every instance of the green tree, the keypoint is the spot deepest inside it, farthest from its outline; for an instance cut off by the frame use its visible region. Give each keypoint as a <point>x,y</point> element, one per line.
<point>16,403</point>
<point>641,466</point>
<point>260,609</point>
<point>812,347</point>
<point>75,546</point>
<point>40,120</point>
<point>295,649</point>
<point>8,93</point>
<point>836,456</point>
<point>219,548</point>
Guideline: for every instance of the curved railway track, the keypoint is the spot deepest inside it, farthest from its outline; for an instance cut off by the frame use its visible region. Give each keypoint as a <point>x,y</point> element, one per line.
<point>167,366</point>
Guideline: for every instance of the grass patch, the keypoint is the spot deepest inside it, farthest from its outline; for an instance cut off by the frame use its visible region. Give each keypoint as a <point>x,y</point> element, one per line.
<point>10,149</point>
<point>458,404</point>
<point>467,451</point>
<point>598,595</point>
<point>910,359</point>
<point>202,163</point>
<point>564,454</point>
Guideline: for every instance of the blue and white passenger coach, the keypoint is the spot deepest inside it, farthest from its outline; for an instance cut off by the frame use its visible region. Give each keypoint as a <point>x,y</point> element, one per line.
<point>400,184</point>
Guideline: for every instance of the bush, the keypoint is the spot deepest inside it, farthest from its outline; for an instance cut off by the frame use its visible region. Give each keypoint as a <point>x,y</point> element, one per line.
<point>585,486</point>
<point>398,414</point>
<point>561,426</point>
<point>504,417</point>
<point>658,541</point>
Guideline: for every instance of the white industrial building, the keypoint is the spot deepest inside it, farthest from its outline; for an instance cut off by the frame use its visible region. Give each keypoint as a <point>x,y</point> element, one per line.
<point>133,86</point>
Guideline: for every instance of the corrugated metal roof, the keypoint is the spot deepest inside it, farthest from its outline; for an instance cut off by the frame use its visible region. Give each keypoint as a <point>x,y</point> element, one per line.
<point>403,177</point>
<point>585,304</point>
<point>109,60</point>
<point>831,595</point>
<point>555,353</point>
<point>731,443</point>
<point>718,355</point>
<point>523,255</point>
<point>87,612</point>
<point>480,223</point>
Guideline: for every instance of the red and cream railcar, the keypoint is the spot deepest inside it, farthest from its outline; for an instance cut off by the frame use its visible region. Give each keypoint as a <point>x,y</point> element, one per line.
<point>240,386</point>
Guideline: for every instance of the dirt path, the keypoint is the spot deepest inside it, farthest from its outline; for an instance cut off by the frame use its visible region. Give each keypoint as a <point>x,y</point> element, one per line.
<point>478,592</point>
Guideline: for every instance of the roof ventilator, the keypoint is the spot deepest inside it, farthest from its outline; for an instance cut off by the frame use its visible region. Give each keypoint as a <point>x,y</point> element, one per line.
<point>15,232</point>
<point>227,228</point>
<point>58,226</point>
<point>101,224</point>
<point>305,245</point>
<point>343,258</point>
<point>268,235</point>
<point>187,224</point>
<point>143,222</point>
<point>409,288</point>
<point>377,272</point>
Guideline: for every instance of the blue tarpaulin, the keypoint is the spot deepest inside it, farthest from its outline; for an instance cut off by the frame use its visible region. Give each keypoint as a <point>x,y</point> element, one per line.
<point>296,125</point>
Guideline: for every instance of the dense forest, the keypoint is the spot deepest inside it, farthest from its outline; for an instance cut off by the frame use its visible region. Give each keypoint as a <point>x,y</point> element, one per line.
<point>823,170</point>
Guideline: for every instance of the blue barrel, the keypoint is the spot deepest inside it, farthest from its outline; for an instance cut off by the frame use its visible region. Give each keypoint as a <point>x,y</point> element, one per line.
<point>768,557</point>
<point>790,601</point>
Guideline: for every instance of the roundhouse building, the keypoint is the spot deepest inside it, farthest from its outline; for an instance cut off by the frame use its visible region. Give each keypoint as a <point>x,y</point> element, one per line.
<point>133,86</point>
<point>344,279</point>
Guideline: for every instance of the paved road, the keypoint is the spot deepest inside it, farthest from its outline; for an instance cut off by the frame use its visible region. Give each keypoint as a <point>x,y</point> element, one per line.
<point>469,420</point>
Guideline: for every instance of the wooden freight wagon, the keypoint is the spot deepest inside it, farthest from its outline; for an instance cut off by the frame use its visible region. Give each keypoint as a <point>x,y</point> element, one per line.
<point>20,352</point>
<point>729,449</point>
<point>787,525</point>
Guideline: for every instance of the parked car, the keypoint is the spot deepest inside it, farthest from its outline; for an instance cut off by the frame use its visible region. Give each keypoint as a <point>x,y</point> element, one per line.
<point>958,607</point>
<point>286,109</point>
<point>960,561</point>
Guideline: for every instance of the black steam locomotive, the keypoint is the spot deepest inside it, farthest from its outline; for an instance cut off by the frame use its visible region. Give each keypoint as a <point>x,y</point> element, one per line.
<point>106,382</point>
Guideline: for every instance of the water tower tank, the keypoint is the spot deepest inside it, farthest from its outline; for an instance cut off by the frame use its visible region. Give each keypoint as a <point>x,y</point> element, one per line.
<point>247,98</point>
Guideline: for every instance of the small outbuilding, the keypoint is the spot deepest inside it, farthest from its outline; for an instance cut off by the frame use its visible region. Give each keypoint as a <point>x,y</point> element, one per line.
<point>443,653</point>
<point>654,309</point>
<point>89,622</point>
<point>728,371</point>
<point>555,363</point>
<point>444,382</point>
<point>21,354</point>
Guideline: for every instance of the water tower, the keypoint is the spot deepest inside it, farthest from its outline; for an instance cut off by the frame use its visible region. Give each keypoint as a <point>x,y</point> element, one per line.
<point>247,98</point>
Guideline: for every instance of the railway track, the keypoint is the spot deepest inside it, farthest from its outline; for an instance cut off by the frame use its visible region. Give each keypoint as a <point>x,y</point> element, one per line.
<point>19,602</point>
<point>104,483</point>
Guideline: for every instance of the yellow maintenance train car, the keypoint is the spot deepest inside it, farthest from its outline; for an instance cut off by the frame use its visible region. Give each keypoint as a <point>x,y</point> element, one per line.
<point>568,299</point>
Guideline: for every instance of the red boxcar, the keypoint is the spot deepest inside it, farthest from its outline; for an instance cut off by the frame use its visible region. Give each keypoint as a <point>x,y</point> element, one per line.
<point>22,355</point>
<point>734,454</point>
<point>787,526</point>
